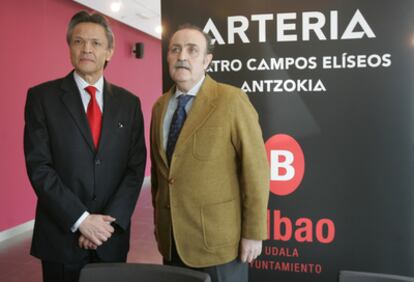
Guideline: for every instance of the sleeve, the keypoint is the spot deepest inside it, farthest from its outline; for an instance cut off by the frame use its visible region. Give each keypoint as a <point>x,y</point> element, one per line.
<point>54,198</point>
<point>123,203</point>
<point>253,168</point>
<point>154,182</point>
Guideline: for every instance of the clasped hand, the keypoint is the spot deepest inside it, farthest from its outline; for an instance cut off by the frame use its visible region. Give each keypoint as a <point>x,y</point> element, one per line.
<point>95,230</point>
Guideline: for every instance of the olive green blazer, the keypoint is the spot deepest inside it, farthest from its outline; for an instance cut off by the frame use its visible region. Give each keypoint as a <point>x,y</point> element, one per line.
<point>216,189</point>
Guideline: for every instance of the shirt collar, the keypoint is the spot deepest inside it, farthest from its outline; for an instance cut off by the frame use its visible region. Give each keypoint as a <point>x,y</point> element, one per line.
<point>81,83</point>
<point>193,91</point>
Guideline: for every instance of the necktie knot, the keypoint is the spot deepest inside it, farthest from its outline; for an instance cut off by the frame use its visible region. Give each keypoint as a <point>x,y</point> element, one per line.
<point>91,90</point>
<point>183,100</point>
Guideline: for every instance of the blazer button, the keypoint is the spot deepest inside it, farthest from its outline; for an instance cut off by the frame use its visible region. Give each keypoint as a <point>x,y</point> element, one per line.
<point>171,181</point>
<point>97,162</point>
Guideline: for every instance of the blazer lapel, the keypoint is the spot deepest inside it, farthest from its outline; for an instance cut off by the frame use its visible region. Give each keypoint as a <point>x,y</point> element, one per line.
<point>163,105</point>
<point>72,100</point>
<point>203,106</point>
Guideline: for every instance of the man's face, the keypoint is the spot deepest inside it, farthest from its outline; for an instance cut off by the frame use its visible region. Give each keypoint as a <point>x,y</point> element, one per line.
<point>89,50</point>
<point>187,58</point>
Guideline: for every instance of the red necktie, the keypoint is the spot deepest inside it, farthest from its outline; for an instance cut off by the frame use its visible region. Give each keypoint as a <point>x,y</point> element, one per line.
<point>94,115</point>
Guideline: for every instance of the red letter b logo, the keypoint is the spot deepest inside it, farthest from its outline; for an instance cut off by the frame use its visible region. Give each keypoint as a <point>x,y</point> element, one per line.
<point>287,164</point>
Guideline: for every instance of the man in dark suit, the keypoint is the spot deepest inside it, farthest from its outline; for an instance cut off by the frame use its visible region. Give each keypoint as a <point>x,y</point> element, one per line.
<point>85,157</point>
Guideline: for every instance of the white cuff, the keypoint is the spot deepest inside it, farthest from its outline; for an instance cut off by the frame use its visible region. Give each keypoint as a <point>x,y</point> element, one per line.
<point>75,227</point>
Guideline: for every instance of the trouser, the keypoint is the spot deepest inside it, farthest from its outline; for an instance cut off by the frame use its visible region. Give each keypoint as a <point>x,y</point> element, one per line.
<point>234,271</point>
<point>66,272</point>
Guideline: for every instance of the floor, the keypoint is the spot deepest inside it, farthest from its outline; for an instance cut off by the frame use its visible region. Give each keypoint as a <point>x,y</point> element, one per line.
<point>17,265</point>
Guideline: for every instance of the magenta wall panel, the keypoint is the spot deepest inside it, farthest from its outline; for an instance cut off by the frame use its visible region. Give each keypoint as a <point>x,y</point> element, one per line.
<point>33,50</point>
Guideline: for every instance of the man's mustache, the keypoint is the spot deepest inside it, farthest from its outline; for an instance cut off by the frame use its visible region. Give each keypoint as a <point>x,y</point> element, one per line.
<point>181,64</point>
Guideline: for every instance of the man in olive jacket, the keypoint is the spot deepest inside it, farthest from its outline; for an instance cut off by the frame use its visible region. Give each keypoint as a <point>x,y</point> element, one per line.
<point>210,195</point>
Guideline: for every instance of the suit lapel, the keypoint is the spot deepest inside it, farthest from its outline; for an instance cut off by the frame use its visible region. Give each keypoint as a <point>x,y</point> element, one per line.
<point>72,100</point>
<point>109,111</point>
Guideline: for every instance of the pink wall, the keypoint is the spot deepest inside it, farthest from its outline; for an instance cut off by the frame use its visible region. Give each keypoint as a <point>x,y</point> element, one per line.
<point>33,50</point>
